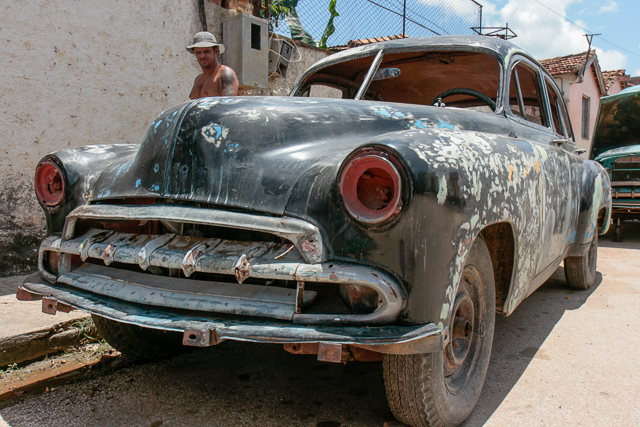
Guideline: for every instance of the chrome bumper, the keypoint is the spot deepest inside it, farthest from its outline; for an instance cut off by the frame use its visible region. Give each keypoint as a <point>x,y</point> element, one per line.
<point>412,339</point>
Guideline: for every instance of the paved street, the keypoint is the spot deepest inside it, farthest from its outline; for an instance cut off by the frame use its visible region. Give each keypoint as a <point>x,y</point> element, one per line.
<point>564,358</point>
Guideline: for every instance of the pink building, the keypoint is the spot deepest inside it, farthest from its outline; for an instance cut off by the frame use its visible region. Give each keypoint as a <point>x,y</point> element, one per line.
<point>582,84</point>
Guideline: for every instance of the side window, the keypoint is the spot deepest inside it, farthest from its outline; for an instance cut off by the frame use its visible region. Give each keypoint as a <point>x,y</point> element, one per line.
<point>525,96</point>
<point>555,104</point>
<point>586,106</point>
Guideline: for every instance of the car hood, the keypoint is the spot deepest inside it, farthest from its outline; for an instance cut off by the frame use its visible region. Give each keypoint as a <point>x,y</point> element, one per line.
<point>249,152</point>
<point>618,123</point>
<point>608,158</point>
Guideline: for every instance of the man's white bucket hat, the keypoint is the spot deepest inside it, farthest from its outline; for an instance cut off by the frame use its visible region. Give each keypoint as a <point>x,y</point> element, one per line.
<point>205,39</point>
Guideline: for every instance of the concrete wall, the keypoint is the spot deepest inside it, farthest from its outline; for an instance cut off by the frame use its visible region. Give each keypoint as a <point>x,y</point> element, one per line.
<point>303,57</point>
<point>82,72</point>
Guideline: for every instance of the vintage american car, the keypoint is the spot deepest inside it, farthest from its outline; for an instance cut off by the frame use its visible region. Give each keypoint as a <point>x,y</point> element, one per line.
<point>616,145</point>
<point>432,183</point>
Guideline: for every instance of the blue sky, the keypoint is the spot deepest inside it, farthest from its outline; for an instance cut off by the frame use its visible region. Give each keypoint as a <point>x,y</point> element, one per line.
<point>545,34</point>
<point>539,24</point>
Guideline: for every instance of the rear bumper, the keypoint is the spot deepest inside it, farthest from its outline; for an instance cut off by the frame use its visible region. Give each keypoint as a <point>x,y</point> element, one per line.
<point>412,339</point>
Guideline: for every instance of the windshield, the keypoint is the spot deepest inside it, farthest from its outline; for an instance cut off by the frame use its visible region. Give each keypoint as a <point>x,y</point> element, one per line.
<point>458,79</point>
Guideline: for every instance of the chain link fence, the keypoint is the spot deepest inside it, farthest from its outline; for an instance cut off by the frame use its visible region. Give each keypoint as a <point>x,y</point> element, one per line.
<point>310,20</point>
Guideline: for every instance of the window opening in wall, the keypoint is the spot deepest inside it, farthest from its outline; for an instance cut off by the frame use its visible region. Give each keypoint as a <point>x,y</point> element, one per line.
<point>586,105</point>
<point>255,36</point>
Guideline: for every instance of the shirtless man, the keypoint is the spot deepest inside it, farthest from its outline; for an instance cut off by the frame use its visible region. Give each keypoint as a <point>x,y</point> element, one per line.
<point>216,79</point>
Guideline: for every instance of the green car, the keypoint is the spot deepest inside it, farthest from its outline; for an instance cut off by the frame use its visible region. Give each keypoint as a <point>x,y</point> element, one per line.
<point>616,145</point>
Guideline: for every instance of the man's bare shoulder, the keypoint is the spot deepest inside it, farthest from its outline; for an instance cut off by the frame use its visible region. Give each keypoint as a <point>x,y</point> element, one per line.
<point>228,81</point>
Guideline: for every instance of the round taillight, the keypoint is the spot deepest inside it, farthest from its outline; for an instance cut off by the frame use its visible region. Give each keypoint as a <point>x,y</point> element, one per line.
<point>49,183</point>
<point>370,186</point>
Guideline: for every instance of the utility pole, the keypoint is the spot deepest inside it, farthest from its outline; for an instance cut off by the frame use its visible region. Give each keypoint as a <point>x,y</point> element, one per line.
<point>404,17</point>
<point>589,38</point>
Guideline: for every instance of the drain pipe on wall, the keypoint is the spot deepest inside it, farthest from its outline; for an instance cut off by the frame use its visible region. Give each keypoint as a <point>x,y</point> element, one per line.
<point>203,17</point>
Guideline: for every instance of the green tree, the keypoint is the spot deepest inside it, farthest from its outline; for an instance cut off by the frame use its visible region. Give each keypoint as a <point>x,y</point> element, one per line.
<point>286,9</point>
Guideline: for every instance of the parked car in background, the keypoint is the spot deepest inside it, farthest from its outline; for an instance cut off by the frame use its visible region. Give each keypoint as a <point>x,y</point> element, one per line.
<point>616,145</point>
<point>439,185</point>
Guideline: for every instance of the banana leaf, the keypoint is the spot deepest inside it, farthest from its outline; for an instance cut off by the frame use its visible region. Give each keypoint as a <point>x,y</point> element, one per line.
<point>330,27</point>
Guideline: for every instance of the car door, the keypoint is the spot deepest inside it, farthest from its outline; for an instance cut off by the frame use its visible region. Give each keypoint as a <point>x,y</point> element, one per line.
<point>529,107</point>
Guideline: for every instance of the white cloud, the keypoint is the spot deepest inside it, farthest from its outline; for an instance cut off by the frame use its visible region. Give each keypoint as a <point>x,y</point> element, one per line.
<point>465,10</point>
<point>612,6</point>
<point>540,31</point>
<point>544,34</point>
<point>611,59</point>
<point>636,73</point>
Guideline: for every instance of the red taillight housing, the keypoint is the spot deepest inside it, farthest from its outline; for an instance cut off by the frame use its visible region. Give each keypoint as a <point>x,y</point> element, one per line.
<point>371,187</point>
<point>49,183</point>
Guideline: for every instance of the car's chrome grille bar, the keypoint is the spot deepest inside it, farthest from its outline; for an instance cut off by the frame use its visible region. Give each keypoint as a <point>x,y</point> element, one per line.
<point>305,236</point>
<point>625,189</point>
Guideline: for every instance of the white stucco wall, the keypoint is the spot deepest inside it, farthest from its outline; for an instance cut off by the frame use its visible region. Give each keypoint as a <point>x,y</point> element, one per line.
<point>82,72</point>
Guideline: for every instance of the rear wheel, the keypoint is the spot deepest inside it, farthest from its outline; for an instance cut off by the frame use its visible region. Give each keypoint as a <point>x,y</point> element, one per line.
<point>580,271</point>
<point>441,389</point>
<point>136,341</point>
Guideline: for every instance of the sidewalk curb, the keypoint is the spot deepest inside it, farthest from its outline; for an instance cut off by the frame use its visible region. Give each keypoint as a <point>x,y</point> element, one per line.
<point>30,346</point>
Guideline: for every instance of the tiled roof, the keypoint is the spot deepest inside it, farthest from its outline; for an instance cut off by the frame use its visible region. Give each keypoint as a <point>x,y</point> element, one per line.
<point>565,64</point>
<point>362,42</point>
<point>611,76</point>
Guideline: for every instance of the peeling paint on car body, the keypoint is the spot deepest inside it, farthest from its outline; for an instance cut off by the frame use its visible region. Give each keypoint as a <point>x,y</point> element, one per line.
<point>271,159</point>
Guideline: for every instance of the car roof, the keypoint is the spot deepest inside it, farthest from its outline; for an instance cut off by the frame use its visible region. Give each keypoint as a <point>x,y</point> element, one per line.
<point>501,48</point>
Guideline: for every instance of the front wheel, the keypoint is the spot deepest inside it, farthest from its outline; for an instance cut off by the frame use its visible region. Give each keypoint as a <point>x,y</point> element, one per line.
<point>441,389</point>
<point>580,271</point>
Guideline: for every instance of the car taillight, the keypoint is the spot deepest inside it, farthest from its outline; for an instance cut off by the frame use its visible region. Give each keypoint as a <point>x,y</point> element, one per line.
<point>371,187</point>
<point>49,183</point>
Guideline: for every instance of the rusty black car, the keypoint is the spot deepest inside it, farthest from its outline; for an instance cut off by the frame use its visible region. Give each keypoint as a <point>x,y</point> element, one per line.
<point>404,193</point>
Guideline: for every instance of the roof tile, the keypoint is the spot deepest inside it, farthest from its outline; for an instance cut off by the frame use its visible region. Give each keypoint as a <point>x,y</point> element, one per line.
<point>565,64</point>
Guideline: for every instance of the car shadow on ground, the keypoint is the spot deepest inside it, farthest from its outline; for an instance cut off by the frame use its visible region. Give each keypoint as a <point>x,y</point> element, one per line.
<point>518,339</point>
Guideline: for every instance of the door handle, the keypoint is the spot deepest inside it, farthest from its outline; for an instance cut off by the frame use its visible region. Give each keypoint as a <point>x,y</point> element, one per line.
<point>559,142</point>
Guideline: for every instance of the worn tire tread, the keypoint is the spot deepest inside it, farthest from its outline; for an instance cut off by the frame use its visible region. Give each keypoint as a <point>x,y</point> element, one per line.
<point>577,272</point>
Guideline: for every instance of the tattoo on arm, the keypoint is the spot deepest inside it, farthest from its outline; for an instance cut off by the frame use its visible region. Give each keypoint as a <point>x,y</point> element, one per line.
<point>229,82</point>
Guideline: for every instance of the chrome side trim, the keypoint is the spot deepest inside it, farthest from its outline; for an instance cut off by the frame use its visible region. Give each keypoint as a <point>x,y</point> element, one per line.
<point>304,235</point>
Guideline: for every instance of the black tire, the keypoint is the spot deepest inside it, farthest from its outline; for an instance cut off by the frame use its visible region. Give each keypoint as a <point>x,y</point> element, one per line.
<point>441,389</point>
<point>136,341</point>
<point>580,271</point>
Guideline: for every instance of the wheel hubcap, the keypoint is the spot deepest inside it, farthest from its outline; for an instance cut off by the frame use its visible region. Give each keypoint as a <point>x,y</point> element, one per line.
<point>461,332</point>
<point>467,326</point>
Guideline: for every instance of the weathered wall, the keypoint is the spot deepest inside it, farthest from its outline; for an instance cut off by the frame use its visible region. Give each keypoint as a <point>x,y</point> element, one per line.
<point>76,73</point>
